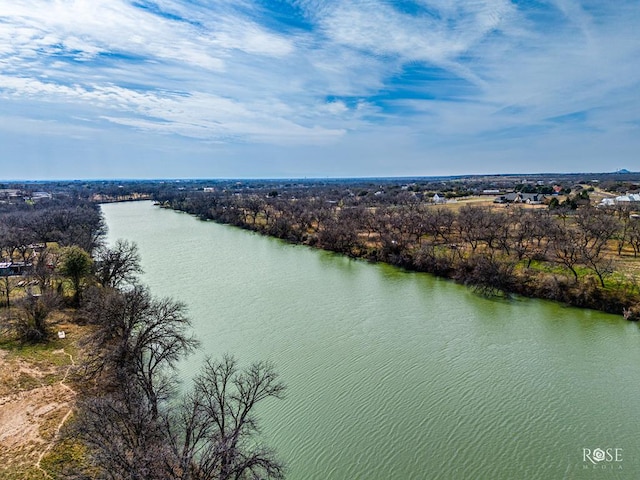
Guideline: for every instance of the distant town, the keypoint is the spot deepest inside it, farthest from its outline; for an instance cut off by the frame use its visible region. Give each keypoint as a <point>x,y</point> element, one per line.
<point>621,186</point>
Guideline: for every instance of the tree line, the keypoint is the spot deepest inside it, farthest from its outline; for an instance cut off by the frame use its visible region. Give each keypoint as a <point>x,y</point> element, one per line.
<point>566,253</point>
<point>43,246</point>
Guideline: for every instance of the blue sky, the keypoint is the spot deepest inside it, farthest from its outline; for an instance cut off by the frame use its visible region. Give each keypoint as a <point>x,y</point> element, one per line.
<point>311,88</point>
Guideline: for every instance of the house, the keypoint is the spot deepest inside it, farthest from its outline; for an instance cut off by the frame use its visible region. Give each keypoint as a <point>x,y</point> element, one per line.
<point>9,193</point>
<point>518,197</point>
<point>631,198</point>
<point>438,199</point>
<point>8,269</point>
<point>36,196</point>
<point>5,269</point>
<point>623,199</point>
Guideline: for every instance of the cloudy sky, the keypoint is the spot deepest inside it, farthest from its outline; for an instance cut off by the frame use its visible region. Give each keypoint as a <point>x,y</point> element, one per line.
<point>312,88</point>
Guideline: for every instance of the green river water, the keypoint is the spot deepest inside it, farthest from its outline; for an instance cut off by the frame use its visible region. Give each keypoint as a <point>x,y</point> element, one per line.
<point>398,375</point>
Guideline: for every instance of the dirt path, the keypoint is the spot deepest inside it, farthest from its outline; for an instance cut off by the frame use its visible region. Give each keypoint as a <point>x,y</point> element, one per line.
<point>35,403</point>
<point>51,443</point>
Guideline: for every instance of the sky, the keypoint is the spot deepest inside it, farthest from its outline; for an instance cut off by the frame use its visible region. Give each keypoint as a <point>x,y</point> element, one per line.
<point>312,88</point>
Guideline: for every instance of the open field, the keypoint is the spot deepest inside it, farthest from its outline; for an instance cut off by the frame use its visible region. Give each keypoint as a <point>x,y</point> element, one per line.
<point>36,400</point>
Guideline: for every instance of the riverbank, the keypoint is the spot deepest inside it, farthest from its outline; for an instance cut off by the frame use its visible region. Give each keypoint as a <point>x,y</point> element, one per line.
<point>408,362</point>
<point>567,257</point>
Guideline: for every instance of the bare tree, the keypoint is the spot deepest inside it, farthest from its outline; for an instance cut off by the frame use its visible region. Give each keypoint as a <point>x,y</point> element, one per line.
<point>497,231</point>
<point>567,250</point>
<point>439,223</point>
<point>339,233</point>
<point>434,258</point>
<point>251,206</point>
<point>117,265</point>
<point>137,343</point>
<point>633,233</point>
<point>139,429</point>
<point>9,242</point>
<point>475,225</point>
<point>527,234</point>
<point>623,213</point>
<point>32,314</point>
<point>304,213</point>
<point>6,286</point>
<point>595,229</point>
<point>488,274</point>
<point>44,267</point>
<point>25,239</point>
<point>140,337</point>
<point>213,435</point>
<point>125,440</point>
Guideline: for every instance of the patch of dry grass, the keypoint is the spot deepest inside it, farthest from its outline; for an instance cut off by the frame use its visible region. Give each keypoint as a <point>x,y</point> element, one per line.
<point>35,398</point>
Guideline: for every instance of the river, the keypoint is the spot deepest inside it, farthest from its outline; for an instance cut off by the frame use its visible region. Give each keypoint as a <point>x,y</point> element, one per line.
<point>399,375</point>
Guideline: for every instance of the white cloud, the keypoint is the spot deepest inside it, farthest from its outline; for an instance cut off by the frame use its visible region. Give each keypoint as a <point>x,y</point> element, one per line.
<point>199,115</point>
<point>224,72</point>
<point>337,107</point>
<point>380,29</point>
<point>50,52</point>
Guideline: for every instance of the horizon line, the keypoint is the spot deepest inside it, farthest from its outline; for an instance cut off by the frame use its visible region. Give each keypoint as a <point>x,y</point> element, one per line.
<point>309,178</point>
